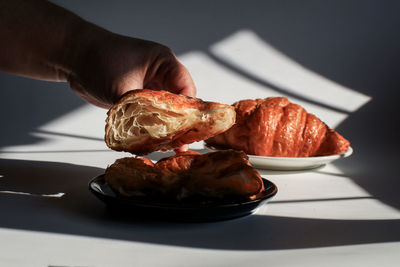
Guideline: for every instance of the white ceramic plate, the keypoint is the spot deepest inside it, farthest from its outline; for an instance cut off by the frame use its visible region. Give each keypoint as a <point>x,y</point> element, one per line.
<point>292,164</point>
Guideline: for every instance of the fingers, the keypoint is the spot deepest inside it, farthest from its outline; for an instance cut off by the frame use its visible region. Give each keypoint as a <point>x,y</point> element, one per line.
<point>180,81</point>
<point>156,67</point>
<point>188,86</point>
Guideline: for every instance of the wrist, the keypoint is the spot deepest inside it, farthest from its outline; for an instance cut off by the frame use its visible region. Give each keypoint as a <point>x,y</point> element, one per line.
<point>80,43</point>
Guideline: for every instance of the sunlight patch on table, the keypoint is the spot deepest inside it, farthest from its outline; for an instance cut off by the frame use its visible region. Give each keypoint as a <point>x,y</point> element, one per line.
<point>314,185</point>
<point>347,209</point>
<point>56,195</point>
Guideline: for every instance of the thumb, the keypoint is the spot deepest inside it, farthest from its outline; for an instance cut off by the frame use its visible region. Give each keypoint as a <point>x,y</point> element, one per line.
<point>181,81</point>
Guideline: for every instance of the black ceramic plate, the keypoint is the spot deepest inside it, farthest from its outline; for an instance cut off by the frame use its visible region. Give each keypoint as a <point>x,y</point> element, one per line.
<point>145,208</point>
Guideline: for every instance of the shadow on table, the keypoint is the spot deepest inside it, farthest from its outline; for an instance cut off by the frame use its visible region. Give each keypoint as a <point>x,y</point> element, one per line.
<point>80,213</point>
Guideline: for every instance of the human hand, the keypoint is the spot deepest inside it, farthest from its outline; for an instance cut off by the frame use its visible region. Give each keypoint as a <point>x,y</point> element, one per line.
<point>115,64</point>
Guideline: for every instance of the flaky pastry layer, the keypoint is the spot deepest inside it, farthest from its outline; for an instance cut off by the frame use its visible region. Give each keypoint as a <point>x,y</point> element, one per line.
<point>144,121</point>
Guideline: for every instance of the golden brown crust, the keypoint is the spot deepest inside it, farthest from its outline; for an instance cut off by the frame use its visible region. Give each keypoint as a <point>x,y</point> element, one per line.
<point>144,121</point>
<point>224,173</point>
<point>275,127</point>
<point>126,176</point>
<point>213,175</point>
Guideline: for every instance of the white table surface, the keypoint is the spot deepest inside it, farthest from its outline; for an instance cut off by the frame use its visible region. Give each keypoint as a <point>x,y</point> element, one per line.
<point>345,213</point>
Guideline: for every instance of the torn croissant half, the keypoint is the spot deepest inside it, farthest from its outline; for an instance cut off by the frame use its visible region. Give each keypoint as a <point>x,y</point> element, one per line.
<point>143,121</point>
<point>216,175</point>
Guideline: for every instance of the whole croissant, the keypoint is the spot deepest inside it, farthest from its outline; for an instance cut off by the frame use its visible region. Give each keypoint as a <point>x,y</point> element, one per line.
<point>275,127</point>
<point>188,174</point>
<point>143,121</point>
